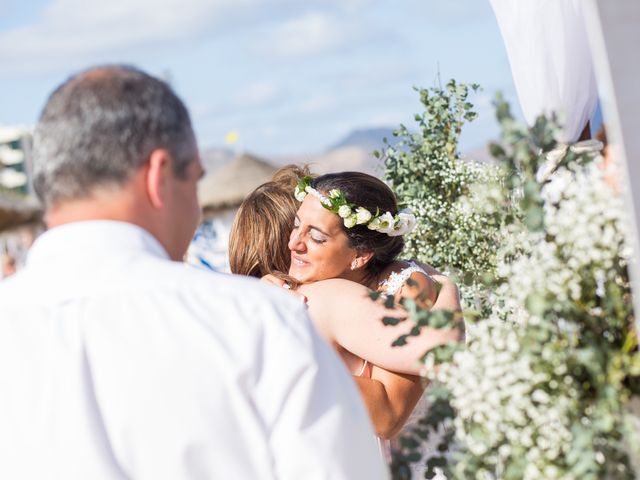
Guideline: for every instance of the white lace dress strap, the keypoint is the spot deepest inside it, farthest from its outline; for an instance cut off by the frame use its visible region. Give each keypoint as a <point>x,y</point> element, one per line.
<point>394,282</point>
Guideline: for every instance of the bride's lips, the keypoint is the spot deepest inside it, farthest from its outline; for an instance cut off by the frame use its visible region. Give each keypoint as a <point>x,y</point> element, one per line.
<point>298,262</point>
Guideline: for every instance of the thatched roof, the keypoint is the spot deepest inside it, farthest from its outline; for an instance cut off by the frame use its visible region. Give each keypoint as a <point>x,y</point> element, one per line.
<point>228,185</point>
<point>16,211</point>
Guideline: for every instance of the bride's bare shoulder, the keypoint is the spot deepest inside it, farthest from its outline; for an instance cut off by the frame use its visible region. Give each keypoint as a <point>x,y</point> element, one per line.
<point>333,287</point>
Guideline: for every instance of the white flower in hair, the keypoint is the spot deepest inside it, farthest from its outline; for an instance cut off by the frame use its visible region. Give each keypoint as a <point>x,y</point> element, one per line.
<point>362,215</point>
<point>406,215</point>
<point>335,193</point>
<point>350,221</point>
<point>300,194</point>
<point>323,200</point>
<point>345,211</point>
<point>353,215</point>
<point>400,228</point>
<point>374,224</point>
<point>387,222</point>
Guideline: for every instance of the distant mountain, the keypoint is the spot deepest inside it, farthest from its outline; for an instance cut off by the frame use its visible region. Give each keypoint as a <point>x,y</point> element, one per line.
<point>369,139</point>
<point>336,160</point>
<point>353,152</point>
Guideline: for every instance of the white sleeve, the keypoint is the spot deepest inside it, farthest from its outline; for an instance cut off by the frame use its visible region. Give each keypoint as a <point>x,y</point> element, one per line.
<point>317,425</point>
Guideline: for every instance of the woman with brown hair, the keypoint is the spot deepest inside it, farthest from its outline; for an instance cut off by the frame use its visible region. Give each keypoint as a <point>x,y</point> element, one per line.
<point>261,228</point>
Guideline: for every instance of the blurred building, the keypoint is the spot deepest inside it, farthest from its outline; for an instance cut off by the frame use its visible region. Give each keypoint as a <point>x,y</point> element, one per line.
<point>15,159</point>
<point>20,214</point>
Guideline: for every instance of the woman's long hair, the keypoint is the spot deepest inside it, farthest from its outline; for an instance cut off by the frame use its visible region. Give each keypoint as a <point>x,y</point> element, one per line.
<point>258,243</point>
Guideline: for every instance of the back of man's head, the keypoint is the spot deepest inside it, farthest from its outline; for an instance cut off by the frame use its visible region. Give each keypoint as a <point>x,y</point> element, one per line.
<point>100,126</point>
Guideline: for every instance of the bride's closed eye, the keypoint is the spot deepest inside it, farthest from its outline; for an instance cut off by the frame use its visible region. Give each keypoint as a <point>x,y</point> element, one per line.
<point>314,235</point>
<point>317,238</point>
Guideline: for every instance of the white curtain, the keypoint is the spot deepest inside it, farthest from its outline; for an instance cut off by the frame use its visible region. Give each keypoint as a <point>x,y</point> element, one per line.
<point>548,49</point>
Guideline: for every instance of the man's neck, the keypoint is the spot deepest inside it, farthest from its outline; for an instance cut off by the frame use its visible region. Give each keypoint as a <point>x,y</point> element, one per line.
<point>118,205</point>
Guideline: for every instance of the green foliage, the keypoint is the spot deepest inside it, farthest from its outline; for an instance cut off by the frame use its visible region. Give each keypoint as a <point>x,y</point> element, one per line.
<point>542,389</point>
<point>428,175</point>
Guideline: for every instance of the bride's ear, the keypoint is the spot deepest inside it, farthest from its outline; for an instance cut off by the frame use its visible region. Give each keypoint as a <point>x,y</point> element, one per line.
<point>362,258</point>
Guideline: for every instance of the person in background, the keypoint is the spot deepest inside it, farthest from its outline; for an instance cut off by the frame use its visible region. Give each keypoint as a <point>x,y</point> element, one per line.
<point>119,361</point>
<point>8,265</point>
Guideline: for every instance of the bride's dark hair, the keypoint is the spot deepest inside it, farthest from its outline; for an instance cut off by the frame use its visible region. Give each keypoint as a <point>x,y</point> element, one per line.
<point>373,194</point>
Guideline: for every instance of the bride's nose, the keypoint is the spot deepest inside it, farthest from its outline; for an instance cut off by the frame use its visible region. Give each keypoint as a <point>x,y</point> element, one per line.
<point>295,241</point>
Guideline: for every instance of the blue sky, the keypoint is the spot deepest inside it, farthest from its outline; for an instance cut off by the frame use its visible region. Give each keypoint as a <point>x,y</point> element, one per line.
<point>290,76</point>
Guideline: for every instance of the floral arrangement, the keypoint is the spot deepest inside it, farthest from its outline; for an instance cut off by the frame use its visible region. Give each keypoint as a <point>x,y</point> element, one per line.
<point>393,225</point>
<point>428,174</point>
<point>545,386</point>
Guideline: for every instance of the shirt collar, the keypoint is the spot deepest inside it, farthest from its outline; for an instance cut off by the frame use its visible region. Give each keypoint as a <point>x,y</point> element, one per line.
<point>100,237</point>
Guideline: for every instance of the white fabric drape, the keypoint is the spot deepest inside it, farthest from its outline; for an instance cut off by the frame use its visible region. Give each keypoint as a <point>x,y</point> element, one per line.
<point>548,49</point>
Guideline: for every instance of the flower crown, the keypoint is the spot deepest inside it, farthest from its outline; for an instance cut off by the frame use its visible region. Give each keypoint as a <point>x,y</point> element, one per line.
<point>352,215</point>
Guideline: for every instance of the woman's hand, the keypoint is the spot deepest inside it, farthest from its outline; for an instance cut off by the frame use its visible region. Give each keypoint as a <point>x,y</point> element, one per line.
<point>273,280</point>
<point>279,282</point>
<point>429,270</point>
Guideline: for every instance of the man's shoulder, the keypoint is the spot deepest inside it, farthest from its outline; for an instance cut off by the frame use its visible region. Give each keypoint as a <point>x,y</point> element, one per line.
<point>248,296</point>
<point>181,276</point>
<point>232,305</point>
<point>150,278</point>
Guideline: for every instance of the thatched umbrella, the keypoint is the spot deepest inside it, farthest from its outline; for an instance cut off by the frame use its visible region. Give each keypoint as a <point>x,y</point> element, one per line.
<point>227,186</point>
<point>16,211</point>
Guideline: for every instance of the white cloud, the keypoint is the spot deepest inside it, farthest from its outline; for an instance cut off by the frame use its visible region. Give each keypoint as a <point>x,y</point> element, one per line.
<point>311,34</point>
<point>258,95</point>
<point>451,13</point>
<point>74,31</point>
<point>318,103</point>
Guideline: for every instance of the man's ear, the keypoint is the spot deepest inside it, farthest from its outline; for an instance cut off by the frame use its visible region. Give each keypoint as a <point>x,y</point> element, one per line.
<point>159,167</point>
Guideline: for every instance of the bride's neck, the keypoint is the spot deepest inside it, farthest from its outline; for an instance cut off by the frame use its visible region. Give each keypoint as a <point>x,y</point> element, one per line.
<point>360,276</point>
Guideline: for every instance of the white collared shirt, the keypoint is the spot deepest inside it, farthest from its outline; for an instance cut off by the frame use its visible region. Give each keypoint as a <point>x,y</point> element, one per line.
<point>118,363</point>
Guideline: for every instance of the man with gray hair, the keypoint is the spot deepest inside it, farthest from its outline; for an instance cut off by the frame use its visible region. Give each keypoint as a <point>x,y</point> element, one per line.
<point>119,361</point>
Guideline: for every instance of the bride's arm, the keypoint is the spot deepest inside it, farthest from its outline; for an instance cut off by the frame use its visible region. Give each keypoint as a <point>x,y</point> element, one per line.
<point>449,295</point>
<point>345,315</point>
<point>390,398</point>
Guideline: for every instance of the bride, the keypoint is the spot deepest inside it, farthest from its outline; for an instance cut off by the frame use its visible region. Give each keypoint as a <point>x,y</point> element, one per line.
<point>336,258</point>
